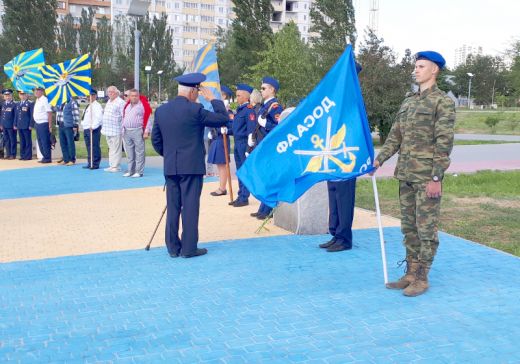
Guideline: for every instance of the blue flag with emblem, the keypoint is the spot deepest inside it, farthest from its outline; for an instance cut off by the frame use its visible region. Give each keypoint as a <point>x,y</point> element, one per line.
<point>206,62</point>
<point>327,137</point>
<point>69,79</point>
<point>23,70</point>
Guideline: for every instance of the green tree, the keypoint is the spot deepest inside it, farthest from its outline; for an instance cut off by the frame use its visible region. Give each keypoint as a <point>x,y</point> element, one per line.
<point>384,83</point>
<point>27,25</point>
<point>104,74</point>
<point>226,48</point>
<point>67,38</point>
<point>87,35</point>
<point>290,60</point>
<point>334,22</point>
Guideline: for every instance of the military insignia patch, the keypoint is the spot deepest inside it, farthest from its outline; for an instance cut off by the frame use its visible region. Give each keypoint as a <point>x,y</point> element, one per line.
<point>252,117</point>
<point>277,118</point>
<point>231,116</point>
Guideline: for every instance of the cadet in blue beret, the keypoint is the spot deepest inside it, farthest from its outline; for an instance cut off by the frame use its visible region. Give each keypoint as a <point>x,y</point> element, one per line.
<point>243,124</point>
<point>24,123</point>
<point>268,118</point>
<point>178,136</point>
<point>7,123</point>
<point>216,152</point>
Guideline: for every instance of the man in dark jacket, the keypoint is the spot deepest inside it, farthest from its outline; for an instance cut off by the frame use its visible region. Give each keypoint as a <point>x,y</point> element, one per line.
<point>178,136</point>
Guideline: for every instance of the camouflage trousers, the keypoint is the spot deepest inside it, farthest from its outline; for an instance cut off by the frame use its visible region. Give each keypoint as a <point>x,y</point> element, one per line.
<point>419,221</point>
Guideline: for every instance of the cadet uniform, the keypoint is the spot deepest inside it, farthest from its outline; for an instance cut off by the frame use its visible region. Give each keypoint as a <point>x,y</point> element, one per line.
<point>216,153</point>
<point>268,118</point>
<point>8,117</point>
<point>423,135</point>
<point>342,197</point>
<point>178,136</point>
<point>243,124</point>
<point>24,123</point>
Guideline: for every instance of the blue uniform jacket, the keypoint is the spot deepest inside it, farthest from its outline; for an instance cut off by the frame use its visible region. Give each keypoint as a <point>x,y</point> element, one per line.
<point>244,122</point>
<point>8,114</point>
<point>178,134</point>
<point>24,115</point>
<point>271,111</point>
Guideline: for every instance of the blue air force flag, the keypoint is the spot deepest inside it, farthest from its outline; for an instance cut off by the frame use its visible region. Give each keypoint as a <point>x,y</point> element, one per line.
<point>327,137</point>
<point>206,62</point>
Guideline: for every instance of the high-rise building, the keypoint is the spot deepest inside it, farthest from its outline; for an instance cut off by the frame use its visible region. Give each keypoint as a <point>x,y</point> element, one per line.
<point>296,11</point>
<point>462,53</point>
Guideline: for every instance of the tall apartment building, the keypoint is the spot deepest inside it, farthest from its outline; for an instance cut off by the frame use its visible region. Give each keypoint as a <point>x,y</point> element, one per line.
<point>194,22</point>
<point>291,10</point>
<point>462,53</point>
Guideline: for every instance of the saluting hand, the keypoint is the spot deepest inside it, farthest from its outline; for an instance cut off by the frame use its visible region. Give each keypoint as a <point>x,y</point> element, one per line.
<point>206,93</point>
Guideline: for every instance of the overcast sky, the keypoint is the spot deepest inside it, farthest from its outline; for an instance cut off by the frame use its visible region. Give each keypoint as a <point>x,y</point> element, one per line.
<point>443,25</point>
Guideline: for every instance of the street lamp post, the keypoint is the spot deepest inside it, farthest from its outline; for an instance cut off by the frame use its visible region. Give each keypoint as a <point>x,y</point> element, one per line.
<point>124,85</point>
<point>159,73</point>
<point>148,70</point>
<point>137,8</point>
<point>469,89</point>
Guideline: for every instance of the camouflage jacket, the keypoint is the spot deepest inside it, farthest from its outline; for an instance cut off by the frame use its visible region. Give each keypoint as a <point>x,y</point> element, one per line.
<point>423,135</point>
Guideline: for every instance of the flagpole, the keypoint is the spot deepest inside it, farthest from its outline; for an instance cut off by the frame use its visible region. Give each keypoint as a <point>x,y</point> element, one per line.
<point>228,170</point>
<point>380,225</point>
<point>91,141</point>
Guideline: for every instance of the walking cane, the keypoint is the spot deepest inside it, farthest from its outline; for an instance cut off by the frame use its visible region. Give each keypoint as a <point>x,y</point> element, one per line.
<point>91,141</point>
<point>156,227</point>
<point>228,170</point>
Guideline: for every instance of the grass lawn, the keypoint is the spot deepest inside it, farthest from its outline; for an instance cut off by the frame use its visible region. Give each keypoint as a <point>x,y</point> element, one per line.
<point>483,207</point>
<point>475,122</point>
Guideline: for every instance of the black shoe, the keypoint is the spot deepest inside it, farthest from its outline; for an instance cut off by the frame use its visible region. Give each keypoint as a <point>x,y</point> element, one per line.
<point>232,203</point>
<point>198,253</point>
<point>261,216</point>
<point>253,214</point>
<point>328,244</point>
<point>45,162</point>
<point>94,167</point>
<point>219,192</point>
<point>86,167</point>
<point>240,203</point>
<point>174,255</point>
<point>338,248</point>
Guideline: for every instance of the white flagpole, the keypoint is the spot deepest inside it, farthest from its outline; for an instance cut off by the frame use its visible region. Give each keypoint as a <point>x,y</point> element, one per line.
<point>380,224</point>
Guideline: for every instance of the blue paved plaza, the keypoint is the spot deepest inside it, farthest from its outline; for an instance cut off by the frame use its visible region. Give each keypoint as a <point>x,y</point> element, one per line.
<point>269,300</point>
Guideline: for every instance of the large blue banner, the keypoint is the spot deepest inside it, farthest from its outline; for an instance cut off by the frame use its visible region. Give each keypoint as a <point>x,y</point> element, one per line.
<point>327,137</point>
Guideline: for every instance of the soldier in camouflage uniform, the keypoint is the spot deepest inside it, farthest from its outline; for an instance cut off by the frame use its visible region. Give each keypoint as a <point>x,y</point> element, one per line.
<point>423,135</point>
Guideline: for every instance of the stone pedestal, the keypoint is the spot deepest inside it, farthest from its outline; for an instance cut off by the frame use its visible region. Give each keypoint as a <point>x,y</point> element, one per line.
<point>309,215</point>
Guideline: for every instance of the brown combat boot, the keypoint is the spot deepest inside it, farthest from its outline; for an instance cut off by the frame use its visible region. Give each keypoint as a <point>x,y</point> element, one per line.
<point>408,278</point>
<point>420,284</point>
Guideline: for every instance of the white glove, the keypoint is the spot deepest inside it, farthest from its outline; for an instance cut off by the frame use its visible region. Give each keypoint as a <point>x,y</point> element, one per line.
<point>223,130</point>
<point>262,121</point>
<point>247,154</point>
<point>250,140</point>
<point>210,136</point>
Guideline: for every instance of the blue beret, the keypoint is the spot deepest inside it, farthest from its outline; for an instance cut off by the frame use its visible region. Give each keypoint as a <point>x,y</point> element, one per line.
<point>226,90</point>
<point>93,91</point>
<point>431,56</point>
<point>7,91</point>
<point>191,79</point>
<point>271,81</point>
<point>358,68</point>
<point>244,87</point>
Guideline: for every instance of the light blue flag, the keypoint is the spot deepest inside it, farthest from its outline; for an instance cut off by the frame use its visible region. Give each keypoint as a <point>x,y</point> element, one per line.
<point>23,70</point>
<point>327,137</point>
<point>206,62</point>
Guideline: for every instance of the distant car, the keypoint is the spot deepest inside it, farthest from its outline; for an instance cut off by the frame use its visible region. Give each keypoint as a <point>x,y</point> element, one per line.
<point>82,101</point>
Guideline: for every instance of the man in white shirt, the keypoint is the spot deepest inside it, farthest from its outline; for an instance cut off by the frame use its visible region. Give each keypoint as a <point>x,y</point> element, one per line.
<point>112,128</point>
<point>91,123</point>
<point>42,116</point>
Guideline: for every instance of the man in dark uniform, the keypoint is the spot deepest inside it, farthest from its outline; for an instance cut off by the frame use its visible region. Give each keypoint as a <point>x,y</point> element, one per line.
<point>268,118</point>
<point>342,196</point>
<point>178,135</point>
<point>24,123</point>
<point>244,123</point>
<point>7,122</point>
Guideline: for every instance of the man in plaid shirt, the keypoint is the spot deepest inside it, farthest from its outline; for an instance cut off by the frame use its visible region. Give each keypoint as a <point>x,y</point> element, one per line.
<point>67,116</point>
<point>112,128</point>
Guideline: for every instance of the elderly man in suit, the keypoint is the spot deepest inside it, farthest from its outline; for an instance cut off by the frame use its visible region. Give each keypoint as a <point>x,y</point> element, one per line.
<point>178,136</point>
